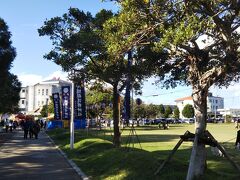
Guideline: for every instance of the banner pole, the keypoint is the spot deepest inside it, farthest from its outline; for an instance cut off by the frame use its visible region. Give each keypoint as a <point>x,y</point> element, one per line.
<point>72,118</point>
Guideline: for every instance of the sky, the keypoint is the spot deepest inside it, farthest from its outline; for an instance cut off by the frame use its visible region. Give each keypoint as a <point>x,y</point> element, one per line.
<point>26,16</point>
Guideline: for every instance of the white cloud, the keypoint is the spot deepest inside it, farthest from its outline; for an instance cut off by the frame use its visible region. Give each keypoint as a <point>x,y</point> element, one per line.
<point>57,74</point>
<point>31,79</point>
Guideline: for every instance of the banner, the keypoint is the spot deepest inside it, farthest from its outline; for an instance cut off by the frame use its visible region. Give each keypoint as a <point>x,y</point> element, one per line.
<point>66,103</point>
<point>79,103</point>
<point>127,107</point>
<point>56,104</point>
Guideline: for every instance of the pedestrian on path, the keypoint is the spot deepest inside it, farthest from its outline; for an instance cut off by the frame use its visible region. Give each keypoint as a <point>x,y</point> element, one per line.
<point>6,125</point>
<point>11,125</point>
<point>236,124</point>
<point>25,126</point>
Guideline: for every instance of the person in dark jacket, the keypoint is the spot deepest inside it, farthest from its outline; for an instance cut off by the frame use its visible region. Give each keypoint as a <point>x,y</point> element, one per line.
<point>25,126</point>
<point>36,129</point>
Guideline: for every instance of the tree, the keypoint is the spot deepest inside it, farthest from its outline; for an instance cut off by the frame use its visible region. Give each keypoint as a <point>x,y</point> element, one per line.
<point>201,40</point>
<point>176,113</point>
<point>78,43</point>
<point>98,100</point>
<point>139,111</point>
<point>161,110</point>
<point>46,109</point>
<point>9,85</point>
<point>152,110</point>
<point>188,111</point>
<point>168,111</point>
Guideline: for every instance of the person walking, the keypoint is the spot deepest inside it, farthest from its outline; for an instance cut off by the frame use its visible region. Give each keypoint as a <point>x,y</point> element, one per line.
<point>25,126</point>
<point>6,125</point>
<point>11,125</point>
<point>35,129</point>
<point>236,124</point>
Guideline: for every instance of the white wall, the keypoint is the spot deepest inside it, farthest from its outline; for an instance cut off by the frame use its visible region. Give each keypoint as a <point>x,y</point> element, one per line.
<point>37,96</point>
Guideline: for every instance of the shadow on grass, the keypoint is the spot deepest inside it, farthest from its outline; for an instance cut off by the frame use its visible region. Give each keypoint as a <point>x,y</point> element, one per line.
<point>101,162</point>
<point>96,156</point>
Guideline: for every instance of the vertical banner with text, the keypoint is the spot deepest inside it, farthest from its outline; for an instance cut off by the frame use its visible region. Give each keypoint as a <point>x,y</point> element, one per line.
<point>56,104</point>
<point>66,103</point>
<point>127,101</point>
<point>79,103</point>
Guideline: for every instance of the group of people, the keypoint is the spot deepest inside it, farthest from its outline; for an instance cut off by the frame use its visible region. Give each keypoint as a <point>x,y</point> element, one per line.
<point>27,123</point>
<point>31,128</point>
<point>9,124</point>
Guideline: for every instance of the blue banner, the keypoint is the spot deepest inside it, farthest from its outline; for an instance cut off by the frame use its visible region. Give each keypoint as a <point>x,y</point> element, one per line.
<point>66,103</point>
<point>79,103</point>
<point>56,104</point>
<point>127,107</point>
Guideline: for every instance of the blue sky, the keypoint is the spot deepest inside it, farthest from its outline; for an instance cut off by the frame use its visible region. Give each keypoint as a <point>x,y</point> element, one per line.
<point>24,17</point>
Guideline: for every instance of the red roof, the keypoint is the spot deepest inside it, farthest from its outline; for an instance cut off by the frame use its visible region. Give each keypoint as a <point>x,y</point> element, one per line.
<point>184,98</point>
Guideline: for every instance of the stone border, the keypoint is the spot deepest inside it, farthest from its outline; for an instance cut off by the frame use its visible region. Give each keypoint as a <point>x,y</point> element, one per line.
<point>72,164</point>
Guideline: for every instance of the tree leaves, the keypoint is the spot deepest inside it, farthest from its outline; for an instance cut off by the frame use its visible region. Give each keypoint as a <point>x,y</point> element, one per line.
<point>9,84</point>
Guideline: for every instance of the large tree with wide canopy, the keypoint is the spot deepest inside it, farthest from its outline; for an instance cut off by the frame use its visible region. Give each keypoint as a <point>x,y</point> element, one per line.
<point>78,43</point>
<point>201,39</point>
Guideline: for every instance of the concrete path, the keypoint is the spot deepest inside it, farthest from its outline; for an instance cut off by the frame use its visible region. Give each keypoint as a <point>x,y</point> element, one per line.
<point>33,159</point>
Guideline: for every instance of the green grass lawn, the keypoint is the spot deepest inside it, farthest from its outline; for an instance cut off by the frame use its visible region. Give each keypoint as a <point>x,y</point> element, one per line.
<point>94,154</point>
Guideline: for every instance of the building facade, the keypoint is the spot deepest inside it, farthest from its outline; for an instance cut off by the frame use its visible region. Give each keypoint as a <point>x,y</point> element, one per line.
<point>33,98</point>
<point>213,103</point>
<point>229,112</point>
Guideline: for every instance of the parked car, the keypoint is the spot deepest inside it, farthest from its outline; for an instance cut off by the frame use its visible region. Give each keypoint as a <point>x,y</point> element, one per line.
<point>210,120</point>
<point>177,121</point>
<point>157,121</point>
<point>146,121</point>
<point>189,120</point>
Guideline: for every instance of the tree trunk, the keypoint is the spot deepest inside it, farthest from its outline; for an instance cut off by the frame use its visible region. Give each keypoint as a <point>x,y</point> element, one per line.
<point>116,117</point>
<point>197,163</point>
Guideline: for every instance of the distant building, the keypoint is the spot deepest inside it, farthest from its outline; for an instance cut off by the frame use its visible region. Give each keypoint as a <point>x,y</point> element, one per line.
<point>33,98</point>
<point>230,112</point>
<point>213,103</point>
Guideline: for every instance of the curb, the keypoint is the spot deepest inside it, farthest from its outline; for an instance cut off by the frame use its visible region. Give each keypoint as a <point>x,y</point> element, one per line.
<point>72,164</point>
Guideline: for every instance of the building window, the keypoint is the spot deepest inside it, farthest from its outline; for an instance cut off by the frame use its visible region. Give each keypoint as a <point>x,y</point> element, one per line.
<point>216,107</point>
<point>22,101</point>
<point>47,92</point>
<point>210,100</point>
<point>42,102</point>
<point>216,101</point>
<point>38,103</point>
<point>38,91</point>
<point>42,91</point>
<point>23,91</point>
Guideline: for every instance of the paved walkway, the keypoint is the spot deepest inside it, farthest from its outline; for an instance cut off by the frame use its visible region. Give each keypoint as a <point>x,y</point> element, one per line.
<point>33,159</point>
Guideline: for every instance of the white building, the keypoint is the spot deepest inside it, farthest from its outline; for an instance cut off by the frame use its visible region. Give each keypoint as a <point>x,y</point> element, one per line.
<point>213,103</point>
<point>230,112</point>
<point>33,98</point>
